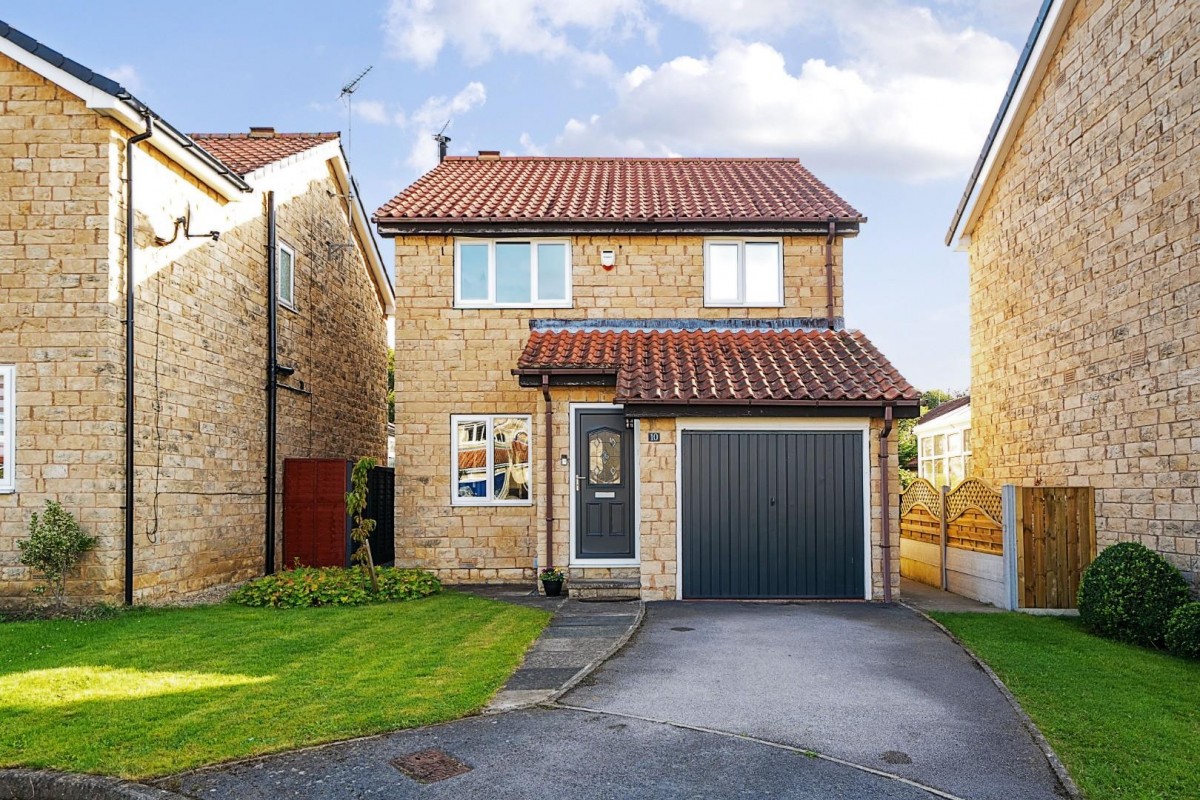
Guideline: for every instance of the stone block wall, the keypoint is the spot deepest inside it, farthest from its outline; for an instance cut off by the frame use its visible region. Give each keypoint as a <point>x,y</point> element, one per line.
<point>58,325</point>
<point>1085,281</point>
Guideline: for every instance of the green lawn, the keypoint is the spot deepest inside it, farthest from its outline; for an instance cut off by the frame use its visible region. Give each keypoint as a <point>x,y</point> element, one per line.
<point>157,691</point>
<point>1125,721</point>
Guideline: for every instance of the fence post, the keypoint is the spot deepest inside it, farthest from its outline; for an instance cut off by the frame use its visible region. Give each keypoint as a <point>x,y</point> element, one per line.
<point>944,493</point>
<point>1008,503</point>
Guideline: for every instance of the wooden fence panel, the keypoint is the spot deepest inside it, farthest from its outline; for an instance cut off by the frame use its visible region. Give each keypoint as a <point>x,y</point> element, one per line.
<point>1056,540</point>
<point>976,531</point>
<point>919,525</point>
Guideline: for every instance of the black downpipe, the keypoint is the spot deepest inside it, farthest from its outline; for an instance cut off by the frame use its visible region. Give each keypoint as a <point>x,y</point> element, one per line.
<point>129,365</point>
<point>272,390</point>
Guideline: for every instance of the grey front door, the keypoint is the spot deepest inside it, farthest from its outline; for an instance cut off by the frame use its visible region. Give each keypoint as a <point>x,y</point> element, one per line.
<point>603,485</point>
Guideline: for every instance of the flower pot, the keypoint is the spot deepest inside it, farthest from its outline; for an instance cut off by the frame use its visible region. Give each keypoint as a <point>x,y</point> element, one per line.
<point>553,588</point>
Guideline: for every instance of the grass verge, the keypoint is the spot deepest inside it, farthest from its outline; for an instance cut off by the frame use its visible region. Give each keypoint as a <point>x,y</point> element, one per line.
<point>155,691</point>
<point>1124,720</point>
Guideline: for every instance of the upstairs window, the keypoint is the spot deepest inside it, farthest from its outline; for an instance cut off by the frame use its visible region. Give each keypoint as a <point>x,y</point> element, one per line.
<point>287,276</point>
<point>509,273</point>
<point>8,440</point>
<point>743,272</point>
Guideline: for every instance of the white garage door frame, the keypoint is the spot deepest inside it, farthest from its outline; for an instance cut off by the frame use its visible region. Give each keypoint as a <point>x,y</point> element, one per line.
<point>861,425</point>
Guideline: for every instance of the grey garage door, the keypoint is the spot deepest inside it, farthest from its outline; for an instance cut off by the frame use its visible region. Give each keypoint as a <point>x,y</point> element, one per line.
<point>772,514</point>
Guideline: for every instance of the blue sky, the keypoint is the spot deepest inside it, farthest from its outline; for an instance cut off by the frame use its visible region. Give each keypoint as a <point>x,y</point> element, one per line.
<point>887,101</point>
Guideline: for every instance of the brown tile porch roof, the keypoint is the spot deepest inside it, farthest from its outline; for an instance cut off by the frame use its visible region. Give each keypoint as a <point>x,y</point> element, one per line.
<point>246,152</point>
<point>725,366</point>
<point>559,189</point>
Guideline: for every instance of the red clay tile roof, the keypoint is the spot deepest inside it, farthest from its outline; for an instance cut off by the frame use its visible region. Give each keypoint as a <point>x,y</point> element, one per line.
<point>617,189</point>
<point>245,152</point>
<point>722,366</point>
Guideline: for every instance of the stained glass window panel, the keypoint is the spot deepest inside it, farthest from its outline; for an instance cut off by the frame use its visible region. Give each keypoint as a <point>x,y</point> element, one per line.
<point>604,457</point>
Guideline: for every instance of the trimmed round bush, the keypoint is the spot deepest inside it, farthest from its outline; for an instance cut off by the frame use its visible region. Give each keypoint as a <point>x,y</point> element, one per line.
<point>1183,631</point>
<point>1129,592</point>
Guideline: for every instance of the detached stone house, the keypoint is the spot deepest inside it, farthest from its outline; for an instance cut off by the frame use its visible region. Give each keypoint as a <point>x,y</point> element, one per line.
<point>1082,223</point>
<point>637,369</point>
<point>214,217</point>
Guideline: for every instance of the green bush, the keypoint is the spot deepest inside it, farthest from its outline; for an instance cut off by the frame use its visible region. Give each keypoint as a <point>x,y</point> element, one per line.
<point>1183,631</point>
<point>55,546</point>
<point>334,586</point>
<point>1129,592</point>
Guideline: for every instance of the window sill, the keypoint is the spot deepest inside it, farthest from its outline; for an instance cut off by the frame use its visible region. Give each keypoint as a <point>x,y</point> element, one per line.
<point>497,306</point>
<point>492,504</point>
<point>710,304</point>
<point>285,305</point>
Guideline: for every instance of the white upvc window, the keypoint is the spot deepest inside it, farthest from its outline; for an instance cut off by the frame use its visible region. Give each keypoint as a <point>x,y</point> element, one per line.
<point>945,458</point>
<point>490,454</point>
<point>287,275</point>
<point>512,273</point>
<point>8,433</point>
<point>743,272</point>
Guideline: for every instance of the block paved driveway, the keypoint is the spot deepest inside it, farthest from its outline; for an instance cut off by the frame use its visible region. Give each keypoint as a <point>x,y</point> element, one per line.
<point>712,700</point>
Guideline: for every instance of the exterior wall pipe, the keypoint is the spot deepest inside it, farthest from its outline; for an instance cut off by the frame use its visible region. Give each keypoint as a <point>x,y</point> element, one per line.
<point>886,508</point>
<point>272,383</point>
<point>549,472</point>
<point>130,144</point>
<point>829,272</point>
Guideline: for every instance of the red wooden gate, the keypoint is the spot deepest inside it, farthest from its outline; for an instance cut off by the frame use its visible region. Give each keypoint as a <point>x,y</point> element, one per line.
<point>316,529</point>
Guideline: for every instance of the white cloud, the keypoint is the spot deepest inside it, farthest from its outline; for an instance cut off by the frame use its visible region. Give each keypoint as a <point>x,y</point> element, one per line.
<point>126,75</point>
<point>912,99</point>
<point>738,17</point>
<point>531,147</point>
<point>419,30</point>
<point>378,112</point>
<point>432,115</point>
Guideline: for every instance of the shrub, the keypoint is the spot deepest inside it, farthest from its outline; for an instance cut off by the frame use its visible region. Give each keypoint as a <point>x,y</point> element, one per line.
<point>1183,631</point>
<point>1129,592</point>
<point>334,586</point>
<point>55,546</point>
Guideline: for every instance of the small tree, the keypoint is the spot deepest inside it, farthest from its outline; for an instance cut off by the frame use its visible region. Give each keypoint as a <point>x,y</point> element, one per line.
<point>356,504</point>
<point>55,546</point>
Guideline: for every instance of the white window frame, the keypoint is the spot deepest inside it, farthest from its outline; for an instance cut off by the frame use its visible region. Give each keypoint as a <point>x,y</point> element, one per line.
<point>290,301</point>
<point>711,302</point>
<point>533,278</point>
<point>8,409</point>
<point>927,465</point>
<point>489,437</point>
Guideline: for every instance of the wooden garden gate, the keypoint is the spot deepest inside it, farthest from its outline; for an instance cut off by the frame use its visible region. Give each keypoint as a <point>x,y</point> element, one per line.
<point>1055,541</point>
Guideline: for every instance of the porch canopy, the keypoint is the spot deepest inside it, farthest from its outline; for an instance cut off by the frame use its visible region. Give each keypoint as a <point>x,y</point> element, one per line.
<point>763,367</point>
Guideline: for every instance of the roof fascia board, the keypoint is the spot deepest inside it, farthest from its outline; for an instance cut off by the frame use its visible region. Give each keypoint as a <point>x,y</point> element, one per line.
<point>174,145</point>
<point>1011,115</point>
<point>392,228</point>
<point>358,218</point>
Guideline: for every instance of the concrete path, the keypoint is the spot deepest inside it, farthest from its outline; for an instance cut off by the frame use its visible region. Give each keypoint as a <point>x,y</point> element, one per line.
<point>874,685</point>
<point>576,641</point>
<point>928,598</point>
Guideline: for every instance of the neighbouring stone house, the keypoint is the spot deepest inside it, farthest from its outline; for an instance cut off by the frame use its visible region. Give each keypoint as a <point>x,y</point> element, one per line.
<point>637,369</point>
<point>1082,223</point>
<point>202,252</point>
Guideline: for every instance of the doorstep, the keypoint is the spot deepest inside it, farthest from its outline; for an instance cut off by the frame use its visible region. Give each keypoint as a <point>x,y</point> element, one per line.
<point>579,638</point>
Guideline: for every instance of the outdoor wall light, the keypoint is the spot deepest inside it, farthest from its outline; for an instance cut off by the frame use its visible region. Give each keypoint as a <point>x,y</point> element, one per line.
<point>563,461</point>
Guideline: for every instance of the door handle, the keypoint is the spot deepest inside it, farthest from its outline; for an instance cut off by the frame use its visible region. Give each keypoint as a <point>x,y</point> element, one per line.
<point>578,482</point>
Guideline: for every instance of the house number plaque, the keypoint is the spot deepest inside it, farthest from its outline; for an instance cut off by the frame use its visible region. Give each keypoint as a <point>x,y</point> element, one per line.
<point>656,437</point>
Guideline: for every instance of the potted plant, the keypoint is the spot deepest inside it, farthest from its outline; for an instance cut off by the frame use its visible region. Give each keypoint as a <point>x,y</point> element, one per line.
<point>552,581</point>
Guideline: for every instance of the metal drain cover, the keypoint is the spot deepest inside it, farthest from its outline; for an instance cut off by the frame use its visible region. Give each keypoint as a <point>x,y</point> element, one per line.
<point>430,766</point>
